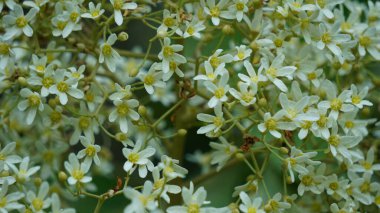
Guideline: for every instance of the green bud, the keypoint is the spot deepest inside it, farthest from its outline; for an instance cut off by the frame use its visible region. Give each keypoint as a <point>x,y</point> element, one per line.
<point>182,132</point>
<point>62,176</point>
<point>123,36</point>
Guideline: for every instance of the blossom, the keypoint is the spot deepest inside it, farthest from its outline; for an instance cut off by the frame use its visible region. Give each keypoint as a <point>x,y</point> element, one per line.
<point>169,54</point>
<point>23,173</point>
<point>216,10</point>
<point>94,11</point>
<point>216,122</point>
<point>298,161</point>
<point>367,165</point>
<point>65,86</point>
<point>152,78</point>
<point>56,205</point>
<point>336,103</point>
<point>219,91</point>
<point>77,170</point>
<point>7,158</point>
<point>312,180</point>
<point>249,205</point>
<point>39,202</point>
<point>18,22</point>
<point>119,5</point>
<point>138,157</point>
<point>140,200</point>
<point>170,167</point>
<point>242,53</point>
<point>276,205</point>
<point>161,186</point>
<point>273,124</point>
<point>252,78</point>
<point>108,54</point>
<point>357,97</point>
<point>211,73</point>
<point>193,29</point>
<point>32,102</point>
<point>246,96</point>
<point>90,151</point>
<point>367,43</point>
<point>124,110</point>
<point>9,201</point>
<point>222,152</point>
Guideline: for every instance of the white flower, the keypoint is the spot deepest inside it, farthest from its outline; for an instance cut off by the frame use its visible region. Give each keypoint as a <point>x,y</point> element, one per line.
<point>369,41</point>
<point>169,53</point>
<point>23,173</point>
<point>312,180</point>
<point>242,53</point>
<point>121,92</point>
<point>336,103</point>
<point>9,200</point>
<point>169,21</point>
<point>325,7</point>
<point>222,152</point>
<point>173,68</point>
<point>238,8</point>
<point>295,110</point>
<point>31,103</point>
<point>249,205</point>
<point>366,165</point>
<point>276,70</point>
<point>9,3</point>
<point>193,201</point>
<point>39,64</point>
<point>90,151</point>
<point>298,161</point>
<point>252,78</point>
<point>250,187</point>
<point>215,11</point>
<point>219,91</point>
<point>247,94</point>
<point>35,4</point>
<point>211,73</point>
<point>357,97</point>
<point>215,122</point>
<point>170,167</point>
<point>351,126</point>
<point>161,187</point>
<point>6,157</point>
<point>330,38</point>
<point>335,187</point>
<point>83,125</point>
<point>140,201</point>
<point>363,187</point>
<point>77,170</point>
<point>273,124</point>
<point>152,78</point>
<point>124,110</point>
<point>56,205</point>
<point>64,87</point>
<point>275,205</point>
<point>94,12</point>
<point>119,5</point>
<point>216,59</point>
<point>193,28</point>
<point>109,55</point>
<point>340,145</point>
<point>6,53</point>
<point>138,157</point>
<point>320,128</point>
<point>18,22</point>
<point>45,81</point>
<point>39,202</point>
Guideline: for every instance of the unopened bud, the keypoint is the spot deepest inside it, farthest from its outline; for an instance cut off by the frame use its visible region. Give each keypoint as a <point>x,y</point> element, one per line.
<point>22,81</point>
<point>81,46</point>
<point>240,156</point>
<point>142,110</point>
<point>123,36</point>
<point>182,132</point>
<point>268,208</point>
<point>62,176</point>
<point>227,29</point>
<point>263,102</point>
<point>284,150</point>
<point>37,181</point>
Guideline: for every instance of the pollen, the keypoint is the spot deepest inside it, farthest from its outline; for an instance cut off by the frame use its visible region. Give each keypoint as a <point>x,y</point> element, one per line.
<point>307,180</point>
<point>215,12</point>
<point>272,72</point>
<point>214,61</point>
<point>240,6</point>
<point>349,124</point>
<point>62,87</point>
<point>4,48</point>
<point>61,25</point>
<point>190,30</point>
<point>334,140</point>
<point>365,41</point>
<point>271,124</point>
<point>169,21</point>
<point>74,16</point>
<point>123,109</point>
<point>217,121</point>
<point>168,51</point>
<point>149,79</point>
<point>326,38</point>
<point>219,93</point>
<point>107,50</point>
<point>193,208</point>
<point>37,204</point>
<point>356,99</point>
<point>90,151</point>
<point>47,82</point>
<point>118,4</point>
<point>336,104</point>
<point>84,123</point>
<point>34,100</point>
<point>77,174</point>
<point>21,22</point>
<point>334,186</point>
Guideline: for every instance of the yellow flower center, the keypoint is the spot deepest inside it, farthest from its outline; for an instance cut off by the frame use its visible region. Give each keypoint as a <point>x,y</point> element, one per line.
<point>252,210</point>
<point>239,6</point>
<point>346,26</point>
<point>292,161</point>
<point>365,187</point>
<point>321,3</point>
<point>4,48</point>
<point>95,13</point>
<point>61,25</point>
<point>77,174</point>
<point>272,72</point>
<point>278,42</point>
<point>84,123</point>
<point>149,79</point>
<point>21,22</point>
<point>2,157</point>
<point>336,104</point>
<point>40,68</point>
<point>377,200</point>
<point>37,203</point>
<point>159,184</point>
<point>34,100</point>
<point>271,124</point>
<point>217,121</point>
<point>172,66</point>
<point>247,97</point>
<point>75,75</point>
<point>215,12</point>
<point>365,41</point>
<point>74,16</point>
<point>219,93</point>
<point>90,151</point>
<point>306,125</point>
<point>193,208</point>
<point>307,180</point>
<point>356,99</point>
<point>118,4</point>
<point>334,140</point>
<point>367,165</point>
<point>169,21</point>
<point>334,186</point>
<point>322,121</point>
<point>107,50</point>
<point>168,51</point>
<point>311,76</point>
<point>349,124</point>
<point>241,55</point>
<point>133,158</point>
<point>326,38</point>
<point>190,30</point>
<point>274,204</point>
<point>3,202</point>
<point>123,109</point>
<point>47,82</point>
<point>214,61</point>
<point>62,87</point>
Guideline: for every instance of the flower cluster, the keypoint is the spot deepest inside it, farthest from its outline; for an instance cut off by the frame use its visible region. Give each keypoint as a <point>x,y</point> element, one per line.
<point>287,90</point>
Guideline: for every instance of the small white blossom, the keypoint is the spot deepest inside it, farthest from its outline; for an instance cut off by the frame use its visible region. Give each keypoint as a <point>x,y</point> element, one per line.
<point>138,157</point>
<point>77,170</point>
<point>119,5</point>
<point>32,102</point>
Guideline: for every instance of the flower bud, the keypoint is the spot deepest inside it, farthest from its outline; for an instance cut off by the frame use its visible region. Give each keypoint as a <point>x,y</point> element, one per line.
<point>162,33</point>
<point>142,110</point>
<point>37,181</point>
<point>227,29</point>
<point>81,46</point>
<point>240,156</point>
<point>284,150</point>
<point>62,176</point>
<point>268,208</point>
<point>22,81</point>
<point>182,132</point>
<point>263,102</point>
<point>123,36</point>
<point>121,136</point>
